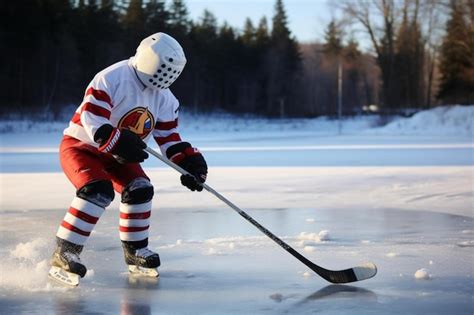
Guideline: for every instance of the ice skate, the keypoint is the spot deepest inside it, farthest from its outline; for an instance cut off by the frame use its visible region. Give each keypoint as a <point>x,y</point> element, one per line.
<point>66,266</point>
<point>142,261</point>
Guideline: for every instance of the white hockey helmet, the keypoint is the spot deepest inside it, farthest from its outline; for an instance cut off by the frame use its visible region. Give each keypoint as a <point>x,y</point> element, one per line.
<point>159,61</point>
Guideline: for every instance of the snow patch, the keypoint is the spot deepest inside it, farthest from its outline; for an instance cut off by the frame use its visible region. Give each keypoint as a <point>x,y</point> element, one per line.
<point>466,244</point>
<point>392,254</point>
<point>422,274</point>
<point>324,235</point>
<point>308,236</point>
<point>241,241</point>
<point>321,236</point>
<point>214,252</point>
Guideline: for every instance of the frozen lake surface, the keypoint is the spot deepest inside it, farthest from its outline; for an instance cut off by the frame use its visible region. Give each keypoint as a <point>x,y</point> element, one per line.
<point>274,149</point>
<point>215,263</point>
<point>402,202</point>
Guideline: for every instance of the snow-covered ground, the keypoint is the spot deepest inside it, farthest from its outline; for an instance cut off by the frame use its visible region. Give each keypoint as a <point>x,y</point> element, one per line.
<point>400,196</point>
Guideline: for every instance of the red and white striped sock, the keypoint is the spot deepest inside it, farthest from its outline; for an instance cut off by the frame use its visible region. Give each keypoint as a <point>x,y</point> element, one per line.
<point>79,221</point>
<point>134,221</point>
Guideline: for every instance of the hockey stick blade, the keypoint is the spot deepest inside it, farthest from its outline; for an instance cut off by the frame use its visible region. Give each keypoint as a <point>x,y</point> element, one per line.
<point>363,272</point>
<point>359,273</point>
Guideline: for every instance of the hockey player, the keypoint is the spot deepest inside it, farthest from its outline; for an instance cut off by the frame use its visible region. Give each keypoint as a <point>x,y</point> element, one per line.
<point>124,105</point>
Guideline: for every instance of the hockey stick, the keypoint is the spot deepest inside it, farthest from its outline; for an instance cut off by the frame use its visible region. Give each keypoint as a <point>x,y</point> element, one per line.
<point>358,273</point>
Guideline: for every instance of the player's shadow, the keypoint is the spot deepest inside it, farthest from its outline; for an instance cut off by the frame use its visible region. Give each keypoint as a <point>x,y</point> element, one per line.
<point>335,291</point>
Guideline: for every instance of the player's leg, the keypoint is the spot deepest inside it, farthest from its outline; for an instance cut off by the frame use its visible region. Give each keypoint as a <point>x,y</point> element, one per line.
<point>135,210</point>
<point>94,193</point>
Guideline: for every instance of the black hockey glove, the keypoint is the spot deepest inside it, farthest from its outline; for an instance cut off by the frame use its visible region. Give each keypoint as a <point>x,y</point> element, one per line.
<point>123,144</point>
<point>191,160</point>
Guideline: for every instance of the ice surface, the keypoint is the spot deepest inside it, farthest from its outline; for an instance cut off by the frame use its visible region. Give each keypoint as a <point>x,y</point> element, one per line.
<point>402,202</point>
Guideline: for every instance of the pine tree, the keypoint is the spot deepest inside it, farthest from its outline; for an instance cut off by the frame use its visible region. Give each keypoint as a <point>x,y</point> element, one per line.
<point>134,18</point>
<point>262,35</point>
<point>351,77</point>
<point>409,63</point>
<point>333,39</point>
<point>248,35</point>
<point>280,28</point>
<point>332,49</point>
<point>208,23</point>
<point>179,19</point>
<point>134,22</point>
<point>156,17</point>
<point>351,51</point>
<point>457,58</point>
<point>282,63</point>
<point>203,36</point>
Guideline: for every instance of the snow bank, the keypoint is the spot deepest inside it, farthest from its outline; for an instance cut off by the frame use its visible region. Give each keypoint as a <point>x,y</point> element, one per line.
<point>452,120</point>
<point>218,122</point>
<point>444,120</point>
<point>247,124</point>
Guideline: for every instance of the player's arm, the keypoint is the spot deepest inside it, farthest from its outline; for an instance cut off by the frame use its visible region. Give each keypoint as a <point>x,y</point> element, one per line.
<point>180,152</point>
<point>95,112</point>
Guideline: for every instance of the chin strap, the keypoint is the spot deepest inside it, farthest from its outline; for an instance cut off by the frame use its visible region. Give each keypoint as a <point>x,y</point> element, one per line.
<point>136,74</point>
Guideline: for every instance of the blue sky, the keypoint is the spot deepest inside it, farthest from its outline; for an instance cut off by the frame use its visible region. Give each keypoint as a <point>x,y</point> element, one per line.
<point>307,18</point>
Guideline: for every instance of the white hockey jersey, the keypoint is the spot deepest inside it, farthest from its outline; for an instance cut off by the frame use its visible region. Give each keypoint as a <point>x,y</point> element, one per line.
<point>116,96</point>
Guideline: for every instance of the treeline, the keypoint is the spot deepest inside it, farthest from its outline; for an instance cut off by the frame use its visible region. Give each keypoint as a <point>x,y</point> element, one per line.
<point>423,48</point>
<point>51,49</point>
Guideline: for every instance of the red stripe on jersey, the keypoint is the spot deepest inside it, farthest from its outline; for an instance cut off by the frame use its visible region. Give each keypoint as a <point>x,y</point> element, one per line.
<point>96,110</point>
<point>72,228</point>
<point>76,119</point>
<point>170,138</point>
<point>83,216</point>
<point>133,228</point>
<point>166,125</point>
<point>100,95</point>
<point>143,215</point>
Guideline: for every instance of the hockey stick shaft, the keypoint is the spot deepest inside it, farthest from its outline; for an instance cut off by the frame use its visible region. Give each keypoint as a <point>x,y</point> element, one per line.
<point>334,277</point>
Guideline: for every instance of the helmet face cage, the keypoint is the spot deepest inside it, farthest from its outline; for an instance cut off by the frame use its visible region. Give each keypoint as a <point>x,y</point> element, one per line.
<point>159,61</point>
<point>165,74</point>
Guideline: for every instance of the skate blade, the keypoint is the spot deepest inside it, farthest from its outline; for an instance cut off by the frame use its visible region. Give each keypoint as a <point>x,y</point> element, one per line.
<point>142,271</point>
<point>63,277</point>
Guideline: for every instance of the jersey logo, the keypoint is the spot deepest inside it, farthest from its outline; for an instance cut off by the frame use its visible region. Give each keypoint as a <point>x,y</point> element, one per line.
<point>139,120</point>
